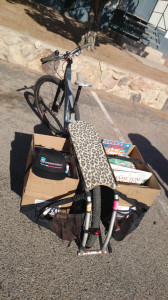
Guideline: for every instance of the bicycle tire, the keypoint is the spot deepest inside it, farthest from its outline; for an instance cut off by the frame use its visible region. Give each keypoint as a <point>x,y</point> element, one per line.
<point>45,90</point>
<point>96,213</point>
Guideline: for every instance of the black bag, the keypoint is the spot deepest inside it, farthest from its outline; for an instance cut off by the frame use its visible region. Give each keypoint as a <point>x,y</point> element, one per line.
<point>68,226</point>
<point>126,223</point>
<point>67,222</point>
<point>49,164</point>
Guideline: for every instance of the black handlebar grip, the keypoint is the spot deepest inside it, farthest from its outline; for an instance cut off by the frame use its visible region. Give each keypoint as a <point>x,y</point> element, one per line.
<point>48,58</point>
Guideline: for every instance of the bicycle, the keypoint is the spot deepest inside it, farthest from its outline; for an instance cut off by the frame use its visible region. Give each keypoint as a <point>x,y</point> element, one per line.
<point>50,93</point>
<point>58,119</point>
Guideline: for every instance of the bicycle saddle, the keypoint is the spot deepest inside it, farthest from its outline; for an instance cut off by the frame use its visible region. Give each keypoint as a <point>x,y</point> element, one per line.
<point>82,81</point>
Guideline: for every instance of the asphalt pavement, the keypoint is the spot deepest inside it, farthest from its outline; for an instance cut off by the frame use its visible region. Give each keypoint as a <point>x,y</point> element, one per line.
<point>35,264</point>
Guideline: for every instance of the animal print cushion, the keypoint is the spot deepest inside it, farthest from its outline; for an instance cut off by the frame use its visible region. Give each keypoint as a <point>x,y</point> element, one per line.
<point>90,155</point>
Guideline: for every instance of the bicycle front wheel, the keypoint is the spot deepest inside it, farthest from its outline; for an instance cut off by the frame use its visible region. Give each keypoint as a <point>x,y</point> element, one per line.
<point>96,212</point>
<point>48,90</point>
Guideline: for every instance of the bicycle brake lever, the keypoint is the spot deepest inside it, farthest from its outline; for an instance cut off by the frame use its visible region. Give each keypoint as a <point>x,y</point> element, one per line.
<point>78,53</point>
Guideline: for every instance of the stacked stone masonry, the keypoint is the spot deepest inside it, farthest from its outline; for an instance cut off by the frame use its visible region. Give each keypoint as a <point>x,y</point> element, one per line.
<point>24,50</point>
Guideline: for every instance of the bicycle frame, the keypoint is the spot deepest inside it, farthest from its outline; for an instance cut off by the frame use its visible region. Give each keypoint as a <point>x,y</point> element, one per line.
<point>69,116</point>
<point>70,106</point>
<point>70,101</point>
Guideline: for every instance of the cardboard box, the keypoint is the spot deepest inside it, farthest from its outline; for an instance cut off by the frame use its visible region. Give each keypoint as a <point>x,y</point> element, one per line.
<point>145,193</point>
<point>37,189</point>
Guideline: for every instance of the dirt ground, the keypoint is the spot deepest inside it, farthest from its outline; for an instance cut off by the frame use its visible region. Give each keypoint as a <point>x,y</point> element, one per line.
<point>48,25</point>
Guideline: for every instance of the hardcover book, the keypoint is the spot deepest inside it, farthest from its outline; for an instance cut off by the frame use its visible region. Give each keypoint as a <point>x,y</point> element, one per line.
<point>117,148</point>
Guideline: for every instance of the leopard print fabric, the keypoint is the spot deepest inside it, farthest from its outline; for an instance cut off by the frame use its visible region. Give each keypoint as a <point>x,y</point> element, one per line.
<point>91,156</point>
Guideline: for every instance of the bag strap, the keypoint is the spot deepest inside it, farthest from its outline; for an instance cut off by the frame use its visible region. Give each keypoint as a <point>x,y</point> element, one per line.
<point>58,202</point>
<point>141,207</point>
<point>131,159</point>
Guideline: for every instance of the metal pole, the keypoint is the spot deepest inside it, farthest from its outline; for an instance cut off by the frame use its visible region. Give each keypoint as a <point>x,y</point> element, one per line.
<point>113,216</point>
<point>87,220</point>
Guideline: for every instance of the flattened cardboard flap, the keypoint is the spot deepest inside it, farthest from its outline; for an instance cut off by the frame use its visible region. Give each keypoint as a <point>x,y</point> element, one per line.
<point>51,142</point>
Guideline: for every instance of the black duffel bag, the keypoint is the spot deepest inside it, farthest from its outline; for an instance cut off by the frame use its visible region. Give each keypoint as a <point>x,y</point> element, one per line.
<point>49,164</point>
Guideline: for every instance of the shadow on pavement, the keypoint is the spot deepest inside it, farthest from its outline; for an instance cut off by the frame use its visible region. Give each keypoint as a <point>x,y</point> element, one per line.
<point>43,128</point>
<point>40,128</point>
<point>18,157</point>
<point>29,97</point>
<point>153,157</point>
<point>20,148</point>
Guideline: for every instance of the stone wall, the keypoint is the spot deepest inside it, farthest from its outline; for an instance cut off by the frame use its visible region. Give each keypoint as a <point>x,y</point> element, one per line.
<point>24,50</point>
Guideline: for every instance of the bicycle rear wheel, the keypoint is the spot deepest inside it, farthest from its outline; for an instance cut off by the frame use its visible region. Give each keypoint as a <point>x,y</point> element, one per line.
<point>46,89</point>
<point>96,212</point>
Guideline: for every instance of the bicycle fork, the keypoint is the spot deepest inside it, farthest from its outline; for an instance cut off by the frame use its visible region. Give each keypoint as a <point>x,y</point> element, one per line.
<point>83,250</point>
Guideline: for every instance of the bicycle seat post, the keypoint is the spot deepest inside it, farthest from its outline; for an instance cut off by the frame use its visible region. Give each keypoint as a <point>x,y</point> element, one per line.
<point>77,96</point>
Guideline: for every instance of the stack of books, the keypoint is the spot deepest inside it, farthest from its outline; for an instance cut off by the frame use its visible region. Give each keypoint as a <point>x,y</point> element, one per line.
<point>124,170</point>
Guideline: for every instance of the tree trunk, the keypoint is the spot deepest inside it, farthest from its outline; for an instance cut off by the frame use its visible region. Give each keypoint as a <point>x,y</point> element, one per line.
<point>68,3</point>
<point>92,26</point>
<point>94,17</point>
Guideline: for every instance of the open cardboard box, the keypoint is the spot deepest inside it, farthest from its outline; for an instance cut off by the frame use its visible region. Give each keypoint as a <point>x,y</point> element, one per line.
<point>145,193</point>
<point>37,189</point>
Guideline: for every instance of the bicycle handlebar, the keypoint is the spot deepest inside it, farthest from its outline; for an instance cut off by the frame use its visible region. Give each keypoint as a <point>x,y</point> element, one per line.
<point>85,46</point>
<point>76,51</point>
<point>48,58</point>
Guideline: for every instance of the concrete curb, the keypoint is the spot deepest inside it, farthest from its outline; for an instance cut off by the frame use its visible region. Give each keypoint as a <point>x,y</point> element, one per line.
<point>24,50</point>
